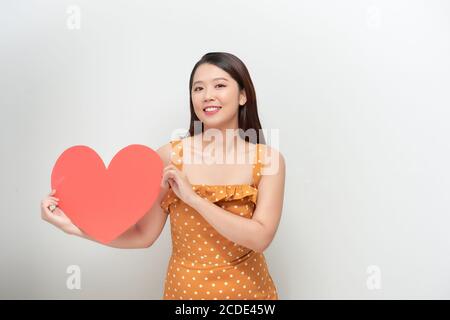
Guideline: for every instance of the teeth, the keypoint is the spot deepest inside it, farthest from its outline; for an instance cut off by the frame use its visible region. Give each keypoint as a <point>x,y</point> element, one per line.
<point>212,108</point>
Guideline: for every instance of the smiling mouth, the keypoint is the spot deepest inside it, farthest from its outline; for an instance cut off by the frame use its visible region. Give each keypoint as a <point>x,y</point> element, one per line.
<point>212,110</point>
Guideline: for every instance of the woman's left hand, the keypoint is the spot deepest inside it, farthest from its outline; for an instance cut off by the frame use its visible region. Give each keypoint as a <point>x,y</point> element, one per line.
<point>179,183</point>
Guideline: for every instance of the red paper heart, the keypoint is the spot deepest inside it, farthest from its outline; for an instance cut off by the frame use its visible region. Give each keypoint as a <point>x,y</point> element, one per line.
<point>105,202</point>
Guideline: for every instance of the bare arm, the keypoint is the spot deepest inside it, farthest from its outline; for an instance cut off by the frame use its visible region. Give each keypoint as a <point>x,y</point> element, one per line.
<point>130,239</point>
<point>258,232</point>
<point>141,235</point>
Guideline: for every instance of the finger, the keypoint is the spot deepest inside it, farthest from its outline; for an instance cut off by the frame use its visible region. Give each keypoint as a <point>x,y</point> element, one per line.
<point>169,173</point>
<point>45,203</point>
<point>50,202</point>
<point>175,170</point>
<point>164,176</point>
<point>59,212</point>
<point>52,192</point>
<point>47,214</point>
<point>53,198</point>
<point>164,184</point>
<point>172,183</point>
<point>51,205</point>
<point>52,209</point>
<point>164,179</point>
<point>174,178</point>
<point>167,176</point>
<point>169,167</point>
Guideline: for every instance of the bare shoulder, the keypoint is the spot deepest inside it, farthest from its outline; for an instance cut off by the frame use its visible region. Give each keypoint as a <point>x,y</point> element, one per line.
<point>272,160</point>
<point>164,153</point>
<point>188,140</point>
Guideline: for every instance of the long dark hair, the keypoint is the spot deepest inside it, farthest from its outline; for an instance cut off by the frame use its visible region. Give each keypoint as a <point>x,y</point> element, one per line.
<point>248,114</point>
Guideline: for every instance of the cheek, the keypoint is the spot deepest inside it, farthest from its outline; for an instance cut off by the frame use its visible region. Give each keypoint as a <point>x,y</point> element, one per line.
<point>230,102</point>
<point>197,102</point>
<point>225,97</point>
<point>229,98</point>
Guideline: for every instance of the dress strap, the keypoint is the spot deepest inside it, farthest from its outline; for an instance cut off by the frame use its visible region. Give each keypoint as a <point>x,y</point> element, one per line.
<point>257,165</point>
<point>176,155</point>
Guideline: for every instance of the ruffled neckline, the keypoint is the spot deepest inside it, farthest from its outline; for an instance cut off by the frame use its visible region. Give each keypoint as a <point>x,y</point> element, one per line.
<point>216,193</point>
<point>223,185</point>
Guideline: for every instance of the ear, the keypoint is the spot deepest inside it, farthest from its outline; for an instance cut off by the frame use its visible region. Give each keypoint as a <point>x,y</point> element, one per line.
<point>242,97</point>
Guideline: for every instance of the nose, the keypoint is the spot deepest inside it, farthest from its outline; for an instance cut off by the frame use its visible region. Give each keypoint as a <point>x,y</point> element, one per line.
<point>207,96</point>
<point>208,99</point>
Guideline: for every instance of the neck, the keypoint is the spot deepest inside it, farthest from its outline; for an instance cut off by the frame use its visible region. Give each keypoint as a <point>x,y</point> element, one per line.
<point>224,141</point>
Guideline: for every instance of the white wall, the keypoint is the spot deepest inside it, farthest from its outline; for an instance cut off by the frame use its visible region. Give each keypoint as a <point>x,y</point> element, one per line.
<point>359,91</point>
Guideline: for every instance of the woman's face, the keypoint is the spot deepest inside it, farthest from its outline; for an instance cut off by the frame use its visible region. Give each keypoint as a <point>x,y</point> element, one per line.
<point>216,97</point>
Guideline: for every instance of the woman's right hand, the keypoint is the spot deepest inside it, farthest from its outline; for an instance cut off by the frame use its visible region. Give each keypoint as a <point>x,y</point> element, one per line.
<point>57,217</point>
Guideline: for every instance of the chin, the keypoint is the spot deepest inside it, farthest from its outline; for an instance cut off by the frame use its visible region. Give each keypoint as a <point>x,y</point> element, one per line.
<point>216,123</point>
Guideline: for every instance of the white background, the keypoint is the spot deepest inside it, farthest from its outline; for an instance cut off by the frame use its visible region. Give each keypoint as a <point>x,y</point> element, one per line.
<point>358,89</point>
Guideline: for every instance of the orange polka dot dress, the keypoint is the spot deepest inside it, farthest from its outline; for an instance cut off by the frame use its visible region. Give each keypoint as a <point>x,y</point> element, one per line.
<point>204,265</point>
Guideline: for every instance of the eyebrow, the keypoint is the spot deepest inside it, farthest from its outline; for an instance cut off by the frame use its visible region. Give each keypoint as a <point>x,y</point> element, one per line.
<point>213,80</point>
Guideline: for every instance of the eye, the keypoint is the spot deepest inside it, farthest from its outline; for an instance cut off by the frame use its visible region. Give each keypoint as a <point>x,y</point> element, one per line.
<point>218,85</point>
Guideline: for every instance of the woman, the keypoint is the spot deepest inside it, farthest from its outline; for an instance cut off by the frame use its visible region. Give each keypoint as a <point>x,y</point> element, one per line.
<point>223,214</point>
